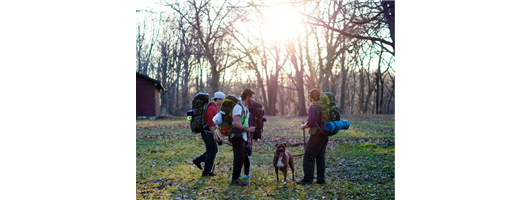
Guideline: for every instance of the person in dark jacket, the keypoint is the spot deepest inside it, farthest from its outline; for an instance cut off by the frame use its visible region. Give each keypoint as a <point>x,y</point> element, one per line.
<point>315,149</point>
<point>210,136</point>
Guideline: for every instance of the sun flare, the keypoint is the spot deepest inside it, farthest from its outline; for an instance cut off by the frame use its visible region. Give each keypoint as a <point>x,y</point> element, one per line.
<point>281,22</point>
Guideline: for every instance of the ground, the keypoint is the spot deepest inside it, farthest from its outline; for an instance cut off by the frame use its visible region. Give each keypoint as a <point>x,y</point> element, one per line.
<point>359,162</point>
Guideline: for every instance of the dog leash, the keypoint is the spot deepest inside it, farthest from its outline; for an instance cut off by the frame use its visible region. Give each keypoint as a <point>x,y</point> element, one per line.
<point>304,134</point>
<point>249,152</point>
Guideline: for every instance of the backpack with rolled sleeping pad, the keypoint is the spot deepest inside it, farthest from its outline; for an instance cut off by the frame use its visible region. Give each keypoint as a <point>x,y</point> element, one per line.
<point>328,111</point>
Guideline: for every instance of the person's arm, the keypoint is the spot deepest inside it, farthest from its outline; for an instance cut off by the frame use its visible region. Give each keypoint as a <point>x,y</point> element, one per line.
<point>237,124</point>
<point>237,119</point>
<point>210,112</point>
<point>310,119</point>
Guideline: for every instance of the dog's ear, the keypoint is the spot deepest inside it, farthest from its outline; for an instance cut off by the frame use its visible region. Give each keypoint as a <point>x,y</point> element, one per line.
<point>277,144</point>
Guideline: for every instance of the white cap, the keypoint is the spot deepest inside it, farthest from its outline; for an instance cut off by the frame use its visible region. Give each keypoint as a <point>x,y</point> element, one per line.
<point>219,95</point>
<point>239,98</point>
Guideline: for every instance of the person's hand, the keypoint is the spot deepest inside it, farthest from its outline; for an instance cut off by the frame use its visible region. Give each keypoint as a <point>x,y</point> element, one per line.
<point>229,143</point>
<point>249,144</point>
<point>215,139</point>
<point>218,137</point>
<point>251,129</point>
<point>302,126</point>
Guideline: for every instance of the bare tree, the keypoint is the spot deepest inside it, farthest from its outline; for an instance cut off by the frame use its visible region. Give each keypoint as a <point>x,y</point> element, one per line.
<point>344,71</point>
<point>212,24</point>
<point>371,16</point>
<point>298,66</point>
<point>144,45</point>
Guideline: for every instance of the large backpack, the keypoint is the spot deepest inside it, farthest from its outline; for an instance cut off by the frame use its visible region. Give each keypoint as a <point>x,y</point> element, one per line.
<point>329,111</point>
<point>256,118</point>
<point>198,110</point>
<point>227,106</point>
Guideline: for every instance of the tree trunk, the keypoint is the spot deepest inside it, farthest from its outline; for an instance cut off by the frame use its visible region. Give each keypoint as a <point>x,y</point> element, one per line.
<point>283,100</point>
<point>390,16</point>
<point>344,75</point>
<point>299,79</point>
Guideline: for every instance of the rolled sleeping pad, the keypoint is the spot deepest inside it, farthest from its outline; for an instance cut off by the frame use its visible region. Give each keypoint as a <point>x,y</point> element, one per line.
<point>336,125</point>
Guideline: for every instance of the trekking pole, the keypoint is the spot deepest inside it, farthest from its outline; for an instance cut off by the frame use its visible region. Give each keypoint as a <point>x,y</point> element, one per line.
<point>304,134</point>
<point>249,152</point>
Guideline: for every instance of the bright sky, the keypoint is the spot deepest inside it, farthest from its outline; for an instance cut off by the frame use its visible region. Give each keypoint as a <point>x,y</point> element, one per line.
<point>149,4</point>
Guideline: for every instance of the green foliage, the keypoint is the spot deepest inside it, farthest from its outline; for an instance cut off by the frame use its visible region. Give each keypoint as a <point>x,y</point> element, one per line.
<point>359,163</point>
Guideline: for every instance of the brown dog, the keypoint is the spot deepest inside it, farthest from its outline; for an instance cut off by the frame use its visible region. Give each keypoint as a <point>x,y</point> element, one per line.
<point>282,158</point>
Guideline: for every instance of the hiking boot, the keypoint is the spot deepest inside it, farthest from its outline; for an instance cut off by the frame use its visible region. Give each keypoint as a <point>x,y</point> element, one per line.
<point>321,182</point>
<point>208,174</point>
<point>198,164</point>
<point>245,177</point>
<point>304,182</point>
<point>238,182</point>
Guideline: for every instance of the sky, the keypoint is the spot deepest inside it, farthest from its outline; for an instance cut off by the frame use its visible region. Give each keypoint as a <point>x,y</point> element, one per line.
<point>151,5</point>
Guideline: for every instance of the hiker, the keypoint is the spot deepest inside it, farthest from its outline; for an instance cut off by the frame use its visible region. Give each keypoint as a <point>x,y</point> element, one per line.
<point>240,137</point>
<point>253,108</point>
<point>210,136</point>
<point>316,146</point>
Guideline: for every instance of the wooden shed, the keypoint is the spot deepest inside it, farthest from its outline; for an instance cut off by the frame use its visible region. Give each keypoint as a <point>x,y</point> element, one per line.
<point>148,100</point>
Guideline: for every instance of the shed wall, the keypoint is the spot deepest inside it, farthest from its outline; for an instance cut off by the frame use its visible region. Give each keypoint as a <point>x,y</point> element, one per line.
<point>145,97</point>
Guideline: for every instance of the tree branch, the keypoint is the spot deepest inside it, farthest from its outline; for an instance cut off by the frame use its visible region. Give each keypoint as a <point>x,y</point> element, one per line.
<point>323,24</point>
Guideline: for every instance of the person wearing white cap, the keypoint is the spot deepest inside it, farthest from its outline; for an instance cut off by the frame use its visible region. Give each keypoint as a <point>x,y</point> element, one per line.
<point>210,136</point>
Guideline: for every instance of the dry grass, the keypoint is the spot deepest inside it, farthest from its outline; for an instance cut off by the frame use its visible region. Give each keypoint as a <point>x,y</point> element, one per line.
<point>359,162</point>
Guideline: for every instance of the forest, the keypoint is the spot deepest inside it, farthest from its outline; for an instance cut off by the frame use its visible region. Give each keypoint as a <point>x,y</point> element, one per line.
<point>279,49</point>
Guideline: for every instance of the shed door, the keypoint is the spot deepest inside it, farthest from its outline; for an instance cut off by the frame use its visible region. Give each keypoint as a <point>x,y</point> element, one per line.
<point>145,99</point>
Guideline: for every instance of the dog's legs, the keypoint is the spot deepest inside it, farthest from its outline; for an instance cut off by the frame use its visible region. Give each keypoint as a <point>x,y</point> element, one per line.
<point>285,174</point>
<point>291,164</point>
<point>277,179</point>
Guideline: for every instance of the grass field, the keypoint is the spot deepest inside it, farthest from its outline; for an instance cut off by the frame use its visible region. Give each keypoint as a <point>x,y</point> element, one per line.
<point>359,162</point>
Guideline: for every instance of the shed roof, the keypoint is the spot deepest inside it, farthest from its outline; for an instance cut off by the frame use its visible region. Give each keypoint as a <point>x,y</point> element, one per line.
<point>157,83</point>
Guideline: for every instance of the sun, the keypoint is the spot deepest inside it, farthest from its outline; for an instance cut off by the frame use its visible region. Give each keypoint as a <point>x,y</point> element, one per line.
<point>281,22</point>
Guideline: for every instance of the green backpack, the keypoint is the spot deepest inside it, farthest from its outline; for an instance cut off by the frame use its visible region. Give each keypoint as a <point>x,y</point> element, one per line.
<point>227,106</point>
<point>329,110</point>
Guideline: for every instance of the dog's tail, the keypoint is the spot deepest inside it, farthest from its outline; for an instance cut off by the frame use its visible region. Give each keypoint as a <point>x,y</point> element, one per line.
<point>298,155</point>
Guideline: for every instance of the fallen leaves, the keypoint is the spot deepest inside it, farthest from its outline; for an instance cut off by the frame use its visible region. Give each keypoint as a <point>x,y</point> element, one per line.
<point>358,165</point>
